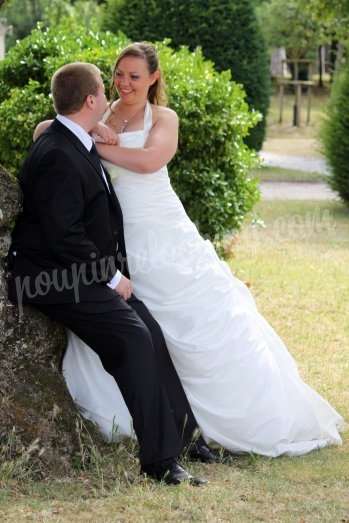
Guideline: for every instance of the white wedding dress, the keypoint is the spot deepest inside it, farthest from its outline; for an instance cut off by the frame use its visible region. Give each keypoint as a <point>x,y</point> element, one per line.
<point>242,384</point>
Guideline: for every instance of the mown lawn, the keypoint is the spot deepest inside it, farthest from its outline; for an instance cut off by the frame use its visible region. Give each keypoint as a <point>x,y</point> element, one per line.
<point>318,104</point>
<point>284,138</point>
<point>278,174</point>
<point>297,268</point>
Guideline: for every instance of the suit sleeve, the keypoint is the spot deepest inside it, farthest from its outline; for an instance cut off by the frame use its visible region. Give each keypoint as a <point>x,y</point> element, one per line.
<point>59,195</point>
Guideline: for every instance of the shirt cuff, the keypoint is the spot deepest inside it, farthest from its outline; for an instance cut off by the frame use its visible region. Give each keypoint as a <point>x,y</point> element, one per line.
<point>114,282</point>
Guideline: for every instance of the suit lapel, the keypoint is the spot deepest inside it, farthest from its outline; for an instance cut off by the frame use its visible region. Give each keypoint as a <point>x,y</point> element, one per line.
<point>74,140</point>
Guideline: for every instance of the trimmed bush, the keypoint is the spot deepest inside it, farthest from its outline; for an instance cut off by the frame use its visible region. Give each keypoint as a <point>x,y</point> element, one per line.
<point>32,57</point>
<point>335,135</point>
<point>227,31</point>
<point>19,114</point>
<point>210,170</point>
<point>26,61</point>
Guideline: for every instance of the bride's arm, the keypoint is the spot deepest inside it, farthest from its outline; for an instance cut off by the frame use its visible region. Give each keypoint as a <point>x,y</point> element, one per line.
<point>101,131</point>
<point>40,128</point>
<point>159,149</point>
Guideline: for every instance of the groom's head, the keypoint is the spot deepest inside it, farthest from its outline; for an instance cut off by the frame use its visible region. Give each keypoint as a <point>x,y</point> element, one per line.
<point>78,88</point>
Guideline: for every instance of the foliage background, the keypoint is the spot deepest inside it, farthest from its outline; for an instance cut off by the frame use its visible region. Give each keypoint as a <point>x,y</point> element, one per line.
<point>335,134</point>
<point>227,31</point>
<point>211,169</point>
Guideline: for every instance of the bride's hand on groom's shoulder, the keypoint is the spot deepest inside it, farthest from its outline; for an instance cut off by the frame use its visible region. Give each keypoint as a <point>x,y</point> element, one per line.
<point>40,128</point>
<point>124,288</point>
<point>103,133</point>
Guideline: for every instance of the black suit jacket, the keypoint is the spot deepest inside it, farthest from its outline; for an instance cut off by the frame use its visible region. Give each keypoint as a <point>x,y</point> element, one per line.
<point>68,240</point>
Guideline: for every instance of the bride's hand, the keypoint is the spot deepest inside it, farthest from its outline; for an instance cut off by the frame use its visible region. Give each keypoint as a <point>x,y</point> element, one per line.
<point>105,134</point>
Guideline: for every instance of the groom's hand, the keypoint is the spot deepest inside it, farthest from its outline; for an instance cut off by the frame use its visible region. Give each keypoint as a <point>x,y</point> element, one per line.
<point>124,288</point>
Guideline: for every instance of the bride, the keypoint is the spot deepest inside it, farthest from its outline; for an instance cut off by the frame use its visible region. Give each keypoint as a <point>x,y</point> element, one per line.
<point>242,383</point>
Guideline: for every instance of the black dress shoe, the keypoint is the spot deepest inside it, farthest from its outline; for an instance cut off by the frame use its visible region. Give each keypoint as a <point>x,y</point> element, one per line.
<point>201,452</point>
<point>173,474</point>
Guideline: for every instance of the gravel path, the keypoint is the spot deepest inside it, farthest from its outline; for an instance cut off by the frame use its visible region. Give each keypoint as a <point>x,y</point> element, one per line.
<point>298,163</point>
<point>296,191</point>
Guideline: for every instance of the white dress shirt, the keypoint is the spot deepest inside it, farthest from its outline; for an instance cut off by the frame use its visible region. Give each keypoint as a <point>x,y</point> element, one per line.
<point>87,142</point>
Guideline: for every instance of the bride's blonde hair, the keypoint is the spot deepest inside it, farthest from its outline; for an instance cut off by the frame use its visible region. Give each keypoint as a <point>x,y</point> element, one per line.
<point>146,51</point>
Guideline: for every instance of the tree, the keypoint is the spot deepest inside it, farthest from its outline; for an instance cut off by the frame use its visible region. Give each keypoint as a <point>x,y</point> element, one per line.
<point>23,15</point>
<point>227,31</point>
<point>335,135</point>
<point>84,12</point>
<point>285,24</point>
<point>334,14</point>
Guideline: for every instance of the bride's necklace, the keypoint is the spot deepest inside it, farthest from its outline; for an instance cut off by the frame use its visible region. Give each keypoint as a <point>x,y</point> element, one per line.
<point>125,122</point>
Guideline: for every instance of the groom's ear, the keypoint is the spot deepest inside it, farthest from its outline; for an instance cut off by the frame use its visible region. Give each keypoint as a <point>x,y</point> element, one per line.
<point>90,101</point>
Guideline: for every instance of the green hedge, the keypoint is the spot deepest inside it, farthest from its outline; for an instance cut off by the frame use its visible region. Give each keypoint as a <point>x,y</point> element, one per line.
<point>335,135</point>
<point>211,169</point>
<point>25,76</point>
<point>227,31</point>
<point>19,114</point>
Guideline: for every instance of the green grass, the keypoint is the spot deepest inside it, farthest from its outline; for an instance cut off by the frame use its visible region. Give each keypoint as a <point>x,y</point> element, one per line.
<point>306,131</point>
<point>297,268</point>
<point>277,174</point>
<point>286,139</point>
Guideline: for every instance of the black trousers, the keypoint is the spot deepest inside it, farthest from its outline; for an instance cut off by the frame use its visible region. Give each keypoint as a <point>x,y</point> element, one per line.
<point>132,349</point>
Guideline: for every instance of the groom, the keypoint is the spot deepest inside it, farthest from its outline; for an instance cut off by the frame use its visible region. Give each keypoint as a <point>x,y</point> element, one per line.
<point>68,259</point>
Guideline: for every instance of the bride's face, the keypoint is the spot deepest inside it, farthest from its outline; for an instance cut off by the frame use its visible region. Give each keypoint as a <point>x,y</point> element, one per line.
<point>132,79</point>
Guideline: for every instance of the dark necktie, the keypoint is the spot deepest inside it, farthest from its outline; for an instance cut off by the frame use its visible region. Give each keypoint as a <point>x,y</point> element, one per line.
<point>94,154</point>
<point>97,161</point>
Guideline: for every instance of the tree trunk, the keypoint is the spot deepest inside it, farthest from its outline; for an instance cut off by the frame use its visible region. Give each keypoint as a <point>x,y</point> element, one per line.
<point>35,403</point>
<point>333,58</point>
<point>320,65</point>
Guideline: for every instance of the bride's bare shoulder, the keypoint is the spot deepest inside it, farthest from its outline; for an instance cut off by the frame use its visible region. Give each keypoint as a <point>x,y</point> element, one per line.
<point>163,113</point>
